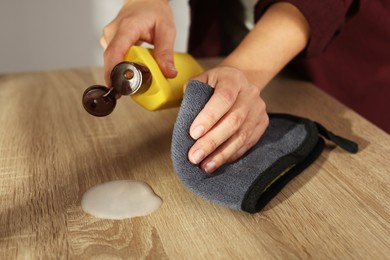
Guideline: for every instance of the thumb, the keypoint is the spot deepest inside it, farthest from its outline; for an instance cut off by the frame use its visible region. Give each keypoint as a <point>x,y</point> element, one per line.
<point>163,51</point>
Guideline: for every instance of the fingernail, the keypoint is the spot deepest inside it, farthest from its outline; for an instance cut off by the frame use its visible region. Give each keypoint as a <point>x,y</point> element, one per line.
<point>197,156</point>
<point>210,167</point>
<point>197,132</point>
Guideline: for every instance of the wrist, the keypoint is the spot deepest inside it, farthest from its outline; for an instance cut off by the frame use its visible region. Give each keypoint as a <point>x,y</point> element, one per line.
<point>280,34</point>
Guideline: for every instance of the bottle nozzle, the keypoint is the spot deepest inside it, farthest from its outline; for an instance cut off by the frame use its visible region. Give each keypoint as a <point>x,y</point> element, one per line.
<point>126,79</point>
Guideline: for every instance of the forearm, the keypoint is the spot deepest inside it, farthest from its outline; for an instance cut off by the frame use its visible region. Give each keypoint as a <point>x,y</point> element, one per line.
<point>276,39</point>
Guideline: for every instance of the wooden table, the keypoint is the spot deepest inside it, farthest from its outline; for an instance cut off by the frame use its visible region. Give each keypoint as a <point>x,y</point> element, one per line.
<point>52,151</point>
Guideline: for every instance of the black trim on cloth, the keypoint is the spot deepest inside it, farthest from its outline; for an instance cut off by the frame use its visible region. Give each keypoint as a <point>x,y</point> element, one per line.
<point>259,194</point>
<point>255,199</point>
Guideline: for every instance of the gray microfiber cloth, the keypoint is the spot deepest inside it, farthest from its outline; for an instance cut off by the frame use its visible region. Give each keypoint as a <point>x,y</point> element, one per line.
<point>288,146</point>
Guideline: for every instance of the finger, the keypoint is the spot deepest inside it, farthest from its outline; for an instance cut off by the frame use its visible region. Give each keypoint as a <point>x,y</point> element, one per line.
<point>204,77</point>
<point>201,77</point>
<point>221,101</point>
<point>163,49</point>
<point>108,34</point>
<point>221,132</point>
<point>116,50</point>
<point>256,135</point>
<point>103,42</point>
<point>235,147</point>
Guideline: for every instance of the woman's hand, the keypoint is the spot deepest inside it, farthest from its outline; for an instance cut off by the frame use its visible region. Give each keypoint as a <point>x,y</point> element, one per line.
<point>234,118</point>
<point>232,121</point>
<point>148,21</point>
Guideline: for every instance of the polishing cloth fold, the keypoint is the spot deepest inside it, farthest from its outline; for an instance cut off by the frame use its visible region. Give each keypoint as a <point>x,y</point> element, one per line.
<point>288,146</point>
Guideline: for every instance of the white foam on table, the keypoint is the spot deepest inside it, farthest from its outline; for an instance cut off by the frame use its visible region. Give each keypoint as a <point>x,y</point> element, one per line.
<point>120,199</point>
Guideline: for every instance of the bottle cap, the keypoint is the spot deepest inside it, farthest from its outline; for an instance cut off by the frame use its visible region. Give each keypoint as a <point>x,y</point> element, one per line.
<point>99,100</point>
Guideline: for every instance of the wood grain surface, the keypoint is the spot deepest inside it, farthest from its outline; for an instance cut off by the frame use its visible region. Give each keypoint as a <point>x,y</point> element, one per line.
<point>52,151</point>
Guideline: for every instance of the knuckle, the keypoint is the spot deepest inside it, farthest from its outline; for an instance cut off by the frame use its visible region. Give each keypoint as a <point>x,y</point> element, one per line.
<point>251,143</point>
<point>220,158</point>
<point>243,139</point>
<point>254,91</point>
<point>241,77</point>
<point>106,30</point>
<point>236,156</point>
<point>226,96</point>
<point>262,120</point>
<point>232,71</point>
<point>235,120</point>
<point>207,144</point>
<point>169,29</point>
<point>260,106</point>
<point>125,22</point>
<point>209,118</point>
<point>211,144</point>
<point>236,75</point>
<point>266,120</point>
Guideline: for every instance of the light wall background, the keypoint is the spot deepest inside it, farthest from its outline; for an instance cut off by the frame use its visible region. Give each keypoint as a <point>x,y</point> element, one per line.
<point>52,34</point>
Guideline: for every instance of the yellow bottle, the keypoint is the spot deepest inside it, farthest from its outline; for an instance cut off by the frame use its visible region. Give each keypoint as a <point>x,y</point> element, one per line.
<point>140,77</point>
<point>159,92</point>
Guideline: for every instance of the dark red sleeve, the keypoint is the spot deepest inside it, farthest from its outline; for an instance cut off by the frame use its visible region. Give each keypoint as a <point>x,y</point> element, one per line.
<point>325,18</point>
